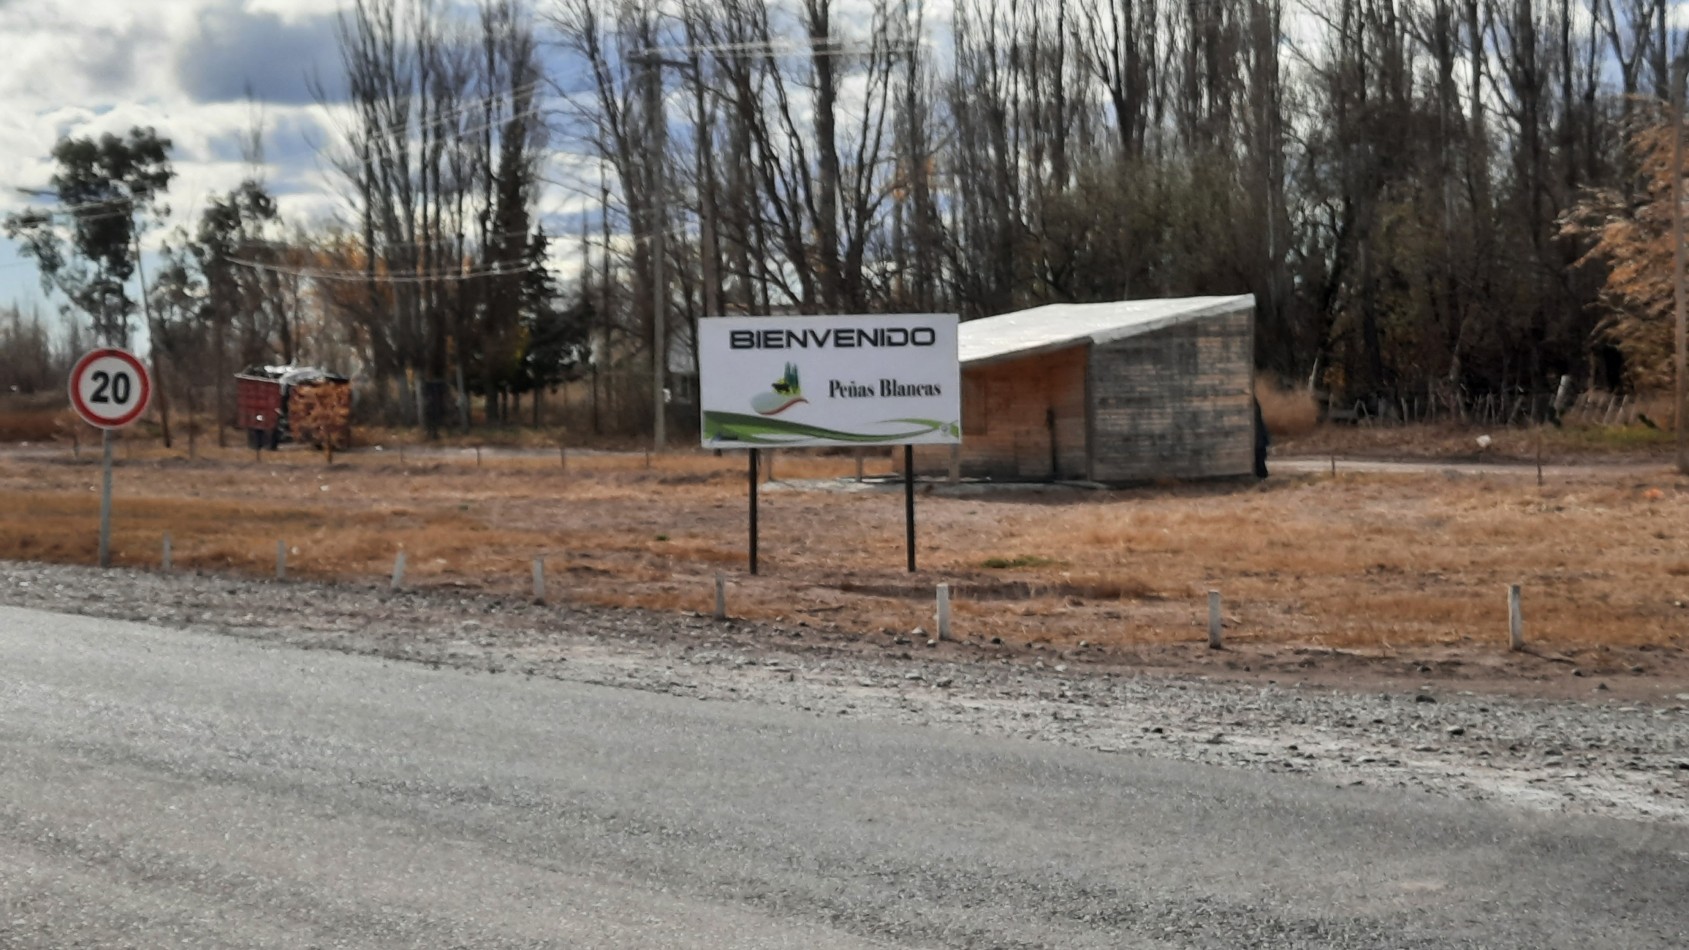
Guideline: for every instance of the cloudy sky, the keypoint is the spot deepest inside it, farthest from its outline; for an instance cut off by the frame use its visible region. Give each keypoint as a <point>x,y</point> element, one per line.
<point>85,67</point>
<point>186,67</point>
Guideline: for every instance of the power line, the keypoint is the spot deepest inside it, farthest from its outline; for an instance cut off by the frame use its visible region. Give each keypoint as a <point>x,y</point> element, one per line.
<point>359,277</point>
<point>120,200</point>
<point>408,129</point>
<point>53,213</point>
<point>87,218</point>
<point>448,240</point>
<point>479,102</point>
<point>789,48</point>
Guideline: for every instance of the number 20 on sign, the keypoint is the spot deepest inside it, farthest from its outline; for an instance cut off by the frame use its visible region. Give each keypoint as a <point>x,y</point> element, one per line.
<point>110,388</point>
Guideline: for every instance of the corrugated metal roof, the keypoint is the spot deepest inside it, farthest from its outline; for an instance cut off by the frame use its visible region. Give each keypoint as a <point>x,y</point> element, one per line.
<point>1062,325</point>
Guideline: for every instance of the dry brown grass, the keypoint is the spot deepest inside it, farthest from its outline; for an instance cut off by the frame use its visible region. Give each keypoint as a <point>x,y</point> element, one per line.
<point>1287,412</point>
<point>1359,561</point>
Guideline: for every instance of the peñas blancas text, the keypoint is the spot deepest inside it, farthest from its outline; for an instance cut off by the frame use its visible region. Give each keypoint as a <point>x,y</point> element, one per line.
<point>887,389</point>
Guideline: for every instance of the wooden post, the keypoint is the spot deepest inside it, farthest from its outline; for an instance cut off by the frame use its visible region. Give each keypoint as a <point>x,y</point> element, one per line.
<point>1214,622</point>
<point>944,611</point>
<point>281,560</point>
<point>955,462</point>
<point>166,561</point>
<point>399,571</point>
<point>539,579</point>
<point>1515,620</point>
<point>720,596</point>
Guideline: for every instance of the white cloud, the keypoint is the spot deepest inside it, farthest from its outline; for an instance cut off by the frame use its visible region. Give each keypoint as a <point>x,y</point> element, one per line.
<point>87,67</point>
<point>296,11</point>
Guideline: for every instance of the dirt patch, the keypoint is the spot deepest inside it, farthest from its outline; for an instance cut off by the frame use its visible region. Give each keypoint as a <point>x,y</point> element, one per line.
<point>1019,590</point>
<point>1567,444</point>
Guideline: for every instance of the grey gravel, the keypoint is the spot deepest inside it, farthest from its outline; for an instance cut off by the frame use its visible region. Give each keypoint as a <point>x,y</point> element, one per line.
<point>1599,756</point>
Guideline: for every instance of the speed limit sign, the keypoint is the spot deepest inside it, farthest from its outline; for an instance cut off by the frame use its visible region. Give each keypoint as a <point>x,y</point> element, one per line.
<point>110,388</point>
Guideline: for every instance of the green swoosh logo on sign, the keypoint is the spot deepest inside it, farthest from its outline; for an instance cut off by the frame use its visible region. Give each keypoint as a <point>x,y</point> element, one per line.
<point>760,430</point>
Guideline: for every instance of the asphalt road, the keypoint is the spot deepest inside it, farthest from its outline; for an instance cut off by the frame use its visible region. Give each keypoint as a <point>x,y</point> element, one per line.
<point>165,789</point>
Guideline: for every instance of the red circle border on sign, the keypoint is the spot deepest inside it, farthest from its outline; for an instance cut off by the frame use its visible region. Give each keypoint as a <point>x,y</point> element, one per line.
<point>82,408</point>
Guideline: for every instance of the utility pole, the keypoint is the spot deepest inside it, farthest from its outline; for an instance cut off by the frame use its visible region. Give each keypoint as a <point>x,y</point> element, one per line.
<point>658,132</point>
<point>657,227</point>
<point>1679,422</point>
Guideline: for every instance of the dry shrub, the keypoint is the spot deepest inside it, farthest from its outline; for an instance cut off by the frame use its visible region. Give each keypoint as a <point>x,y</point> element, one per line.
<point>1111,587</point>
<point>1287,412</point>
<point>322,415</point>
<point>38,417</point>
<point>28,425</point>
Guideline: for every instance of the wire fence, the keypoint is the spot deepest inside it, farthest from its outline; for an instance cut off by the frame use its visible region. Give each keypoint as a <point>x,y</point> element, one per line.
<point>1500,409</point>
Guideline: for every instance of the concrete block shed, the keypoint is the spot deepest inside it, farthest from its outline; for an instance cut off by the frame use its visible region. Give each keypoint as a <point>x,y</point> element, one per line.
<point>1107,392</point>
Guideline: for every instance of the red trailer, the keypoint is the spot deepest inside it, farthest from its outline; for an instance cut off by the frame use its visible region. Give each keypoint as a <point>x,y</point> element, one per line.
<point>258,409</point>
<point>265,397</point>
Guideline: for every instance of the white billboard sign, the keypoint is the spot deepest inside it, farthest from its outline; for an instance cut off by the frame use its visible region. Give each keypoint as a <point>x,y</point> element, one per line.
<point>835,380</point>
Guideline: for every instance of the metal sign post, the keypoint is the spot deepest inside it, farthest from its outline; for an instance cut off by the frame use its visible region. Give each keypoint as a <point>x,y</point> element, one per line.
<point>110,389</point>
<point>105,498</point>
<point>909,503</point>
<point>754,454</point>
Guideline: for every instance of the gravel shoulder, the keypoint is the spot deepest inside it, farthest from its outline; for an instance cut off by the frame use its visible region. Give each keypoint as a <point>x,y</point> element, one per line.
<point>1617,757</point>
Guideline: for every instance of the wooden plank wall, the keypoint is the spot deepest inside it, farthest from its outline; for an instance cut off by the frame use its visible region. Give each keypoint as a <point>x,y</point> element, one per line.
<point>1006,428</point>
<point>1175,403</point>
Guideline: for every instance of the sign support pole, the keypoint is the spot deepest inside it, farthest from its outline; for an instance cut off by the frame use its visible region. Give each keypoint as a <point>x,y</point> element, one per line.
<point>754,454</point>
<point>909,503</point>
<point>105,498</point>
<point>109,389</point>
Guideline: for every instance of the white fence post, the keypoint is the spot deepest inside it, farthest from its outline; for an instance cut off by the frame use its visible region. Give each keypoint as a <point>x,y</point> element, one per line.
<point>168,566</point>
<point>1214,621</point>
<point>539,579</point>
<point>399,571</point>
<point>944,611</point>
